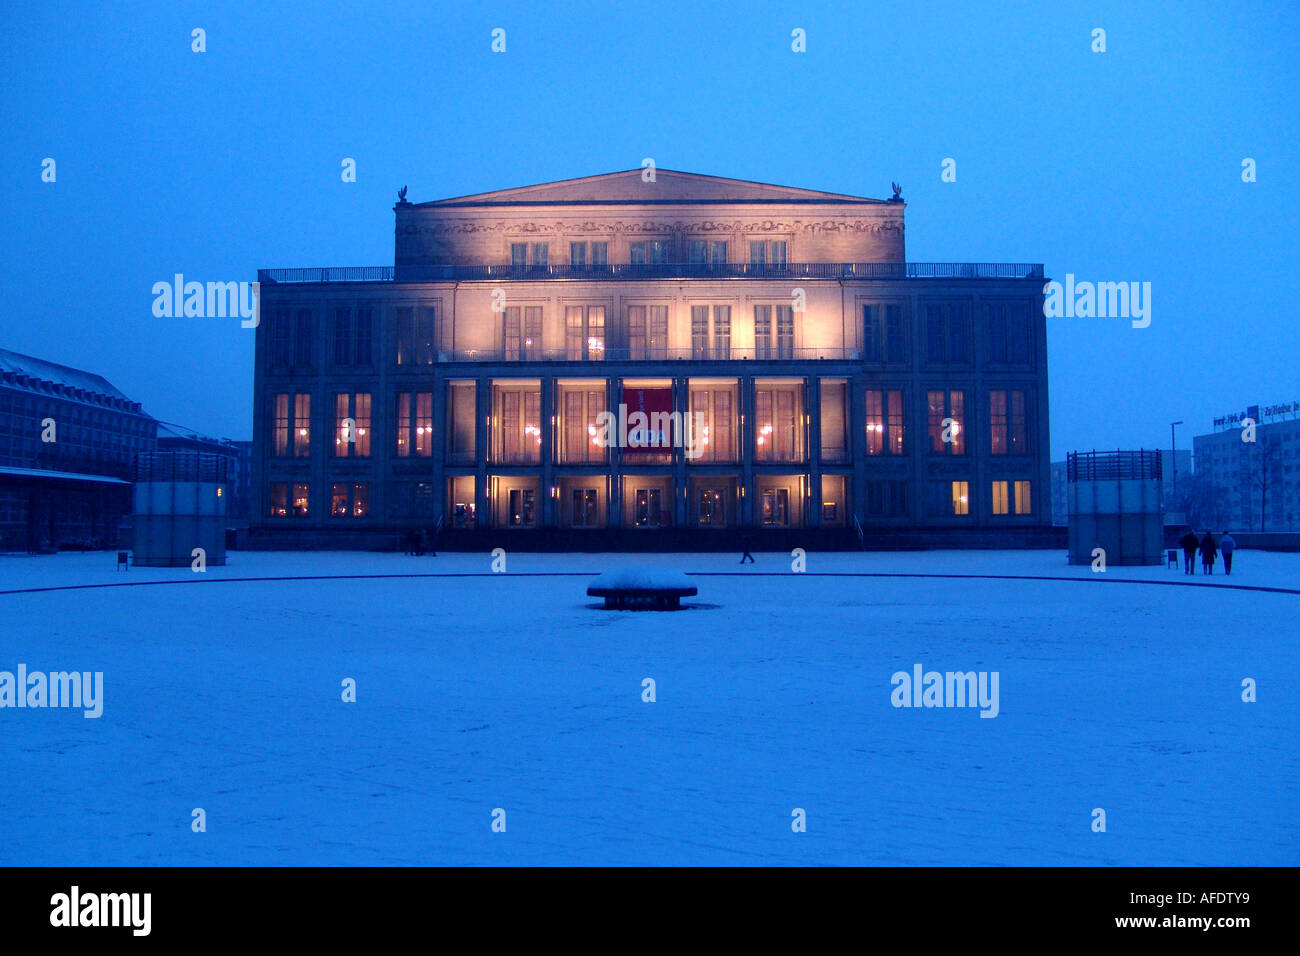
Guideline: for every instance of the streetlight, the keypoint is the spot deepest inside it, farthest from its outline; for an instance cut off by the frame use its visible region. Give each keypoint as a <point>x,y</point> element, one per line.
<point>1173,461</point>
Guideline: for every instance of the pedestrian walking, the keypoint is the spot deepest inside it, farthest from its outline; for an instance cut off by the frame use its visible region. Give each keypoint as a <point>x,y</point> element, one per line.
<point>1227,545</point>
<point>1208,553</point>
<point>1190,544</point>
<point>745,543</point>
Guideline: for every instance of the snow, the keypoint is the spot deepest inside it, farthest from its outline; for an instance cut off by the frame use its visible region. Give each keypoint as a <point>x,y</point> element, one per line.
<point>478,690</point>
<point>642,579</point>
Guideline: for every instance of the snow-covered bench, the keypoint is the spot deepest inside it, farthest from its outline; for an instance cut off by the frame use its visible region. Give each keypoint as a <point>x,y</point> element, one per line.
<point>657,588</point>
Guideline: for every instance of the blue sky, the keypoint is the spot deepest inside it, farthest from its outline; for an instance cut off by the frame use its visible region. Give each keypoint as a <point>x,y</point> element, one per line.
<point>1124,165</point>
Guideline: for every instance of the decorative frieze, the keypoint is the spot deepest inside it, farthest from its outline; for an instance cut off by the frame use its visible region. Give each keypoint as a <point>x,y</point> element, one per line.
<point>873,226</point>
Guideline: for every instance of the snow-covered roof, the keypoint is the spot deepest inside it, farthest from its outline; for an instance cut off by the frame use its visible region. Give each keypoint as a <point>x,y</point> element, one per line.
<point>55,374</point>
<point>172,430</point>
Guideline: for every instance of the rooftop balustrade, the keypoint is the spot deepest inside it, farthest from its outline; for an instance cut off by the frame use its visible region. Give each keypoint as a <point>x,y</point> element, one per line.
<point>666,270</point>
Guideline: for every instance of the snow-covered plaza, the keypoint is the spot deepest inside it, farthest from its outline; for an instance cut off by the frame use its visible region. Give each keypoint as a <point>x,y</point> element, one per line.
<point>485,697</point>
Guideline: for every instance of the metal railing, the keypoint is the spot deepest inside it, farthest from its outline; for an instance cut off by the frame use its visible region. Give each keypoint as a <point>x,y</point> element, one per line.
<point>1112,465</point>
<point>326,274</point>
<point>183,466</point>
<point>773,354</point>
<point>667,270</point>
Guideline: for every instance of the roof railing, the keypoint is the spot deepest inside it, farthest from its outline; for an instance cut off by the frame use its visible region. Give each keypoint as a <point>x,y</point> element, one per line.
<point>663,270</point>
<point>186,466</point>
<point>1112,465</point>
<point>772,353</point>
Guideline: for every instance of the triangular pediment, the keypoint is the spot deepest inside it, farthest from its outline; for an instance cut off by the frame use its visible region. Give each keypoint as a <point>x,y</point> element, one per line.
<point>669,186</point>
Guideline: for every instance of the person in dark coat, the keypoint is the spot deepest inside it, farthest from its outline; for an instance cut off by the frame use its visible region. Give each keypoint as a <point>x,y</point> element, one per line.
<point>1208,553</point>
<point>1190,544</point>
<point>419,544</point>
<point>1227,544</point>
<point>432,538</point>
<point>745,543</point>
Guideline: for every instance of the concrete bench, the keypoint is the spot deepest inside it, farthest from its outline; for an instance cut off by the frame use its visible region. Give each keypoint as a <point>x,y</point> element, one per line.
<point>656,589</point>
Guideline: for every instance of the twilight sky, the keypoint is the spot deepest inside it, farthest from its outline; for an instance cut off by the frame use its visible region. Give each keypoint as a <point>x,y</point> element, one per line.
<point>1123,165</point>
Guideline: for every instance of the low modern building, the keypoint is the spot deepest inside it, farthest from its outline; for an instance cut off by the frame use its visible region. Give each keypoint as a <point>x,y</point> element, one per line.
<point>68,444</point>
<point>1115,512</point>
<point>177,438</point>
<point>1175,483</point>
<point>1245,485</point>
<point>180,509</point>
<point>630,359</point>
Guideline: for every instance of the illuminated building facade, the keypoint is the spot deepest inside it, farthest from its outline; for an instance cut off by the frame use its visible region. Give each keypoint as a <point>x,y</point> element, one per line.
<point>794,374</point>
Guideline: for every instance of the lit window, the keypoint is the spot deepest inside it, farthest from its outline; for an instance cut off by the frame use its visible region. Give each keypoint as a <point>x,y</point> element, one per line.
<point>947,410</point>
<point>960,498</point>
<point>1000,502</point>
<point>884,422</point>
<point>1023,504</point>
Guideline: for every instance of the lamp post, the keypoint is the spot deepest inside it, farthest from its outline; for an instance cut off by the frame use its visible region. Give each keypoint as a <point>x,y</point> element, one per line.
<point>1173,461</point>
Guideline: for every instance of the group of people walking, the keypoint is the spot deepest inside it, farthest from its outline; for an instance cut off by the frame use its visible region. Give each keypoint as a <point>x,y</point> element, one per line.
<point>1209,550</point>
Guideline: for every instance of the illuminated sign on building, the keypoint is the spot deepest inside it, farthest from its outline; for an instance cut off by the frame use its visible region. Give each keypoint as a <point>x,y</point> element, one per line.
<point>652,429</point>
<point>1259,415</point>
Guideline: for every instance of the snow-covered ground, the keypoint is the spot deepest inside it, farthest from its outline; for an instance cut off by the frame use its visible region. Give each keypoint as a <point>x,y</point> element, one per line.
<point>773,692</point>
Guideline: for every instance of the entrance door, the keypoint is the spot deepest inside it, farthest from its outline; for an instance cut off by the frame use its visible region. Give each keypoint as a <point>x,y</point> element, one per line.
<point>584,508</point>
<point>523,504</point>
<point>649,507</point>
<point>713,507</point>
<point>776,507</point>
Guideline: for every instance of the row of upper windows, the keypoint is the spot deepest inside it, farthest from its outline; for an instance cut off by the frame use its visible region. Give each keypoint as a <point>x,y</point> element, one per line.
<point>67,441</point>
<point>70,449</point>
<point>649,252</point>
<point>64,431</point>
<point>16,407</point>
<point>62,457</point>
<point>778,422</point>
<point>772,331</point>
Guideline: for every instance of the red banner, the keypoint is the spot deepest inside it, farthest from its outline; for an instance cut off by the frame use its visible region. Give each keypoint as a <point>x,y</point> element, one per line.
<point>648,423</point>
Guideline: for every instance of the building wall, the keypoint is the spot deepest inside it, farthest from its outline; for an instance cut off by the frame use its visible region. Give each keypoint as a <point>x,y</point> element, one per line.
<point>93,434</point>
<point>1237,480</point>
<point>826,233</point>
<point>503,346</point>
<point>389,478</point>
<point>96,436</point>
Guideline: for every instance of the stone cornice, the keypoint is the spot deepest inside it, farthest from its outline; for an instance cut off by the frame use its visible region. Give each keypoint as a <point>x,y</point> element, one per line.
<point>874,226</point>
